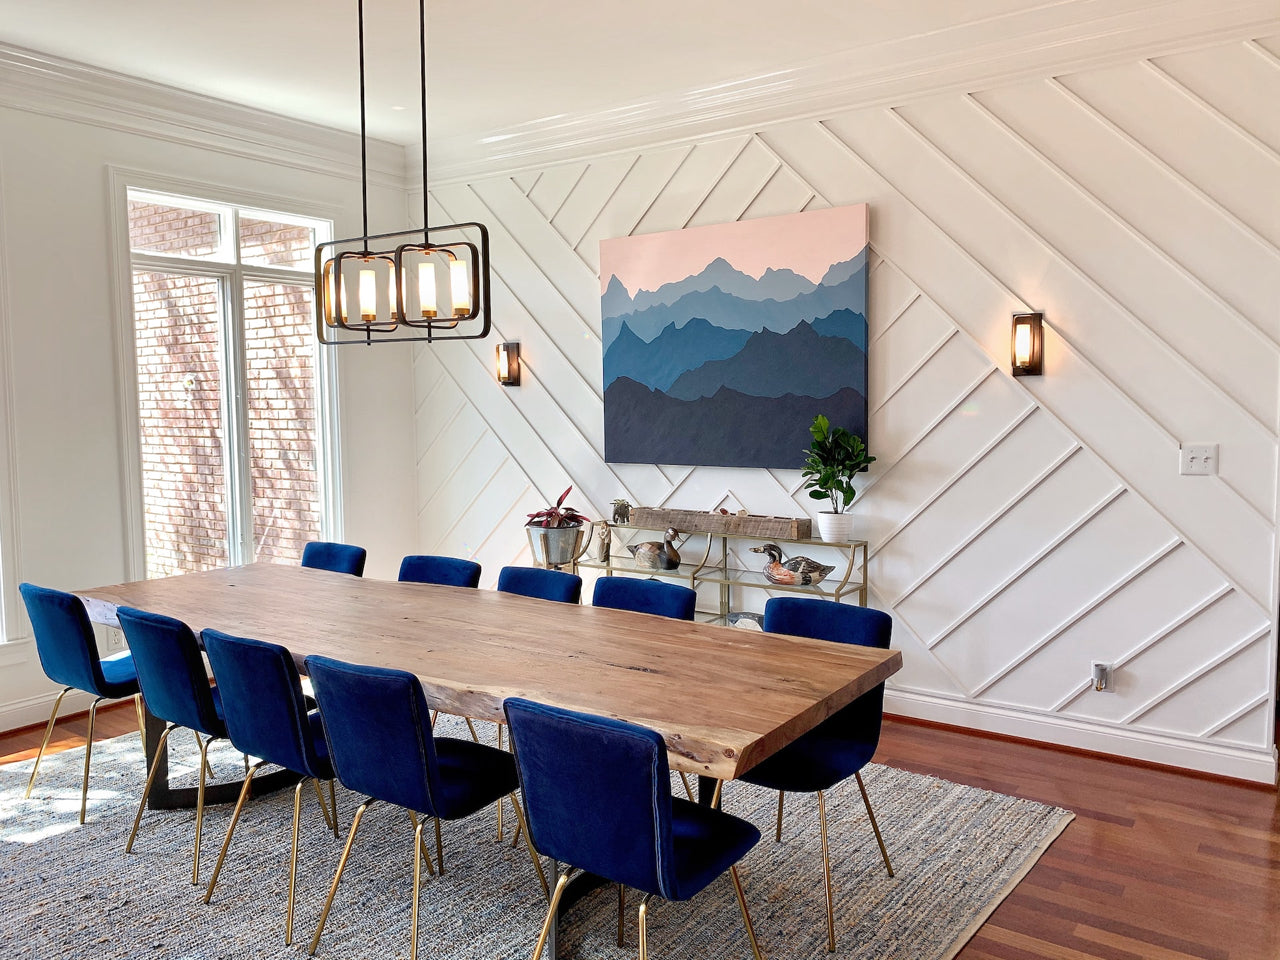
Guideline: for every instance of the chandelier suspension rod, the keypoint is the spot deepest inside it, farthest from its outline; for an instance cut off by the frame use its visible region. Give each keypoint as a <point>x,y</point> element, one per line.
<point>422,61</point>
<point>364,158</point>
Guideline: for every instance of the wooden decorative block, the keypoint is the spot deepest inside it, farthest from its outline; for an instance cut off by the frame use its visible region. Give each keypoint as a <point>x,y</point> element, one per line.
<point>732,525</point>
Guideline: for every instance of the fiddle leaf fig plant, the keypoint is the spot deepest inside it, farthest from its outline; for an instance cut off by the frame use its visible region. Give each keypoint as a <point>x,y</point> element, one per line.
<point>835,455</point>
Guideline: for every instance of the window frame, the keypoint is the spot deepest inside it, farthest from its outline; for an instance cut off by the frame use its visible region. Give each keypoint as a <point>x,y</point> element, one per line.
<point>232,278</point>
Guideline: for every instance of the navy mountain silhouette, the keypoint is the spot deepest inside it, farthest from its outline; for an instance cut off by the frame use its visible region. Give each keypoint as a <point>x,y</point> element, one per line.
<point>647,426</point>
<point>774,364</point>
<point>731,312</point>
<point>773,285</point>
<point>672,353</point>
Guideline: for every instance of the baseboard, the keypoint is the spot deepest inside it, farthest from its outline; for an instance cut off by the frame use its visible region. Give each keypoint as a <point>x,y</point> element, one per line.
<point>1238,763</point>
<point>34,710</point>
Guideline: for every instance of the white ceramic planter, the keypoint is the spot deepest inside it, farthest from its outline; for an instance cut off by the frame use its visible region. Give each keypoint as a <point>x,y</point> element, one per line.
<point>835,527</point>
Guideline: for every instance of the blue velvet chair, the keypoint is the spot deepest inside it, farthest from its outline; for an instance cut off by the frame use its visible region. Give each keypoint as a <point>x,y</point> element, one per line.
<point>338,557</point>
<point>380,740</point>
<point>541,584</point>
<point>447,571</point>
<point>268,718</point>
<point>645,596</point>
<point>69,656</point>
<point>177,691</point>
<point>845,742</point>
<point>597,796</point>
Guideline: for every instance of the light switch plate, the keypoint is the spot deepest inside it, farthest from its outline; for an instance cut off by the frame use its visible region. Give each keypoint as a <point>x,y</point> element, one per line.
<point>1198,459</point>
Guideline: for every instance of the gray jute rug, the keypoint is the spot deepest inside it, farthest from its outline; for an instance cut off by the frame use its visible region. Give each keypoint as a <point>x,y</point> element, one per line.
<point>71,892</point>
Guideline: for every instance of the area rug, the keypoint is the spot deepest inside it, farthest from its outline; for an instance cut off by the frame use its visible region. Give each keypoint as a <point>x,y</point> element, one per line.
<point>69,891</point>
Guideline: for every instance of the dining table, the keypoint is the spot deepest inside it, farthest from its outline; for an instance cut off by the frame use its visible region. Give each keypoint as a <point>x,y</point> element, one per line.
<point>723,698</point>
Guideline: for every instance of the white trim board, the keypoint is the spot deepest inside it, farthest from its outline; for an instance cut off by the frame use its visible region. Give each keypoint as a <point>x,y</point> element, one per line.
<point>1219,759</point>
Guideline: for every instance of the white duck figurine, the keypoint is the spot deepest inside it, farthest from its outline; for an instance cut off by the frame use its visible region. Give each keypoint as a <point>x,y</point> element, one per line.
<point>798,571</point>
<point>652,555</point>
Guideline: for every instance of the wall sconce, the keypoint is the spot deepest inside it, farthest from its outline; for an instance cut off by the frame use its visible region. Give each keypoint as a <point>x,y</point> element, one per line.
<point>1028,344</point>
<point>509,363</point>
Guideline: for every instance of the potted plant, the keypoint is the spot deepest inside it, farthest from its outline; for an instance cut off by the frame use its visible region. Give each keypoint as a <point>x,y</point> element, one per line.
<point>555,534</point>
<point>835,455</point>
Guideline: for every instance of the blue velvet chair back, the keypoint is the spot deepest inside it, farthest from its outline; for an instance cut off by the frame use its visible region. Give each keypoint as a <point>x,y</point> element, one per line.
<point>378,728</point>
<point>65,642</point>
<point>645,596</point>
<point>541,584</point>
<point>262,702</point>
<point>839,623</point>
<point>572,764</point>
<point>447,571</point>
<point>338,557</point>
<point>171,671</point>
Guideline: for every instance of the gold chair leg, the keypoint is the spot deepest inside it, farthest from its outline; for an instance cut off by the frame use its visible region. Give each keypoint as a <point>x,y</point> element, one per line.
<point>146,791</point>
<point>142,719</point>
<point>644,939</point>
<point>439,847</point>
<point>421,843</point>
<point>293,854</point>
<point>826,872</point>
<point>333,804</point>
<point>472,729</point>
<point>231,828</point>
<point>777,833</point>
<point>434,714</point>
<point>522,827</point>
<point>88,752</point>
<point>874,826</point>
<point>204,759</point>
<point>417,887</point>
<point>48,732</point>
<point>622,906</point>
<point>324,807</point>
<point>204,765</point>
<point>688,790</point>
<point>715,795</point>
<point>337,877</point>
<point>551,912</point>
<point>746,916</point>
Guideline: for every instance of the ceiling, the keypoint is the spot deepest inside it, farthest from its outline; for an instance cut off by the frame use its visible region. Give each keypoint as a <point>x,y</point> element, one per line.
<point>495,66</point>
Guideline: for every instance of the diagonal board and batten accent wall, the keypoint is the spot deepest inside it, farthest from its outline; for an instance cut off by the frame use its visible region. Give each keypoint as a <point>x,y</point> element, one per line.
<point>1019,529</point>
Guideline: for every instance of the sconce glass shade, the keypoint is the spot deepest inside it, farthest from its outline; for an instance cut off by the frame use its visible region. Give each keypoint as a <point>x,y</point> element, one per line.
<point>509,363</point>
<point>1027,345</point>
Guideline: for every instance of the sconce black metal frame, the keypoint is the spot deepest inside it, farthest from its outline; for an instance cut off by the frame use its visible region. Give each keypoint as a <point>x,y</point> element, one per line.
<point>1033,364</point>
<point>509,373</point>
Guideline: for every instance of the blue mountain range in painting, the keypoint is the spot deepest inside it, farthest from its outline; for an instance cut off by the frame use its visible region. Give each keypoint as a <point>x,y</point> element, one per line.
<point>725,369</point>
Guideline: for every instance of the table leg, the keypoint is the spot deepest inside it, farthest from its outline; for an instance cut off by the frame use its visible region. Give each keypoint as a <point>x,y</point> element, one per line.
<point>706,790</point>
<point>575,890</point>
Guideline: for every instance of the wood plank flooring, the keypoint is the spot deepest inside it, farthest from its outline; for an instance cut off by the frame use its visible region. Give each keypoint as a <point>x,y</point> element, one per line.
<point>1157,865</point>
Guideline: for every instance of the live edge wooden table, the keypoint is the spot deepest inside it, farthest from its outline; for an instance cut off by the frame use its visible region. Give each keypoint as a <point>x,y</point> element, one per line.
<point>722,698</point>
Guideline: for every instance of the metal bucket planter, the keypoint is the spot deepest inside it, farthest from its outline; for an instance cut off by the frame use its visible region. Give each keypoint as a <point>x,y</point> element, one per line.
<point>555,547</point>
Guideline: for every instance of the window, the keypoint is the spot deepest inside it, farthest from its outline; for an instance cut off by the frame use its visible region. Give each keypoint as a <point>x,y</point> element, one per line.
<point>231,390</point>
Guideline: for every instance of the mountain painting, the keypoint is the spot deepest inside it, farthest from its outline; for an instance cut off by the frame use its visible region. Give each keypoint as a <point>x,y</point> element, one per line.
<point>722,343</point>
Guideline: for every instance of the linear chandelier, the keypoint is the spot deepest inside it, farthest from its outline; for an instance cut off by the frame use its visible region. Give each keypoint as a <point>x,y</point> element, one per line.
<point>413,288</point>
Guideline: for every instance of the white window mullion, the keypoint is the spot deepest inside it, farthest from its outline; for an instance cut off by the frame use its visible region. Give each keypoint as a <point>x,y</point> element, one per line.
<point>236,426</point>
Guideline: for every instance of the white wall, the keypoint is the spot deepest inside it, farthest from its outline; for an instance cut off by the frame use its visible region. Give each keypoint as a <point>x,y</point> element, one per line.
<point>64,510</point>
<point>1019,528</point>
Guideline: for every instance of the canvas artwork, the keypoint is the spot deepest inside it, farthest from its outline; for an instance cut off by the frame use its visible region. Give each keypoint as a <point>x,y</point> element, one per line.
<point>722,343</point>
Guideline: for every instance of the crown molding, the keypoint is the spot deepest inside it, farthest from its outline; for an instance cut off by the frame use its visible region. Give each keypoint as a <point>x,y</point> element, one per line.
<point>1044,41</point>
<point>51,86</point>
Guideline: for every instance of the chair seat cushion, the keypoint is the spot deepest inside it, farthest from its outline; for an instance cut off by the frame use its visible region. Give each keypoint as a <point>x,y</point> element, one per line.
<point>814,762</point>
<point>472,775</point>
<point>706,843</point>
<point>120,675</point>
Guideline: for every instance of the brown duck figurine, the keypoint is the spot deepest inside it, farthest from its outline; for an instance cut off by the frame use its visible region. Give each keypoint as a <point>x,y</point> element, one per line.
<point>652,555</point>
<point>798,571</point>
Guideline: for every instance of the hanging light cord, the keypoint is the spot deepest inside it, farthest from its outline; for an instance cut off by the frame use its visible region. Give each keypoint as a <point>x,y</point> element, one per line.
<point>364,159</point>
<point>422,60</point>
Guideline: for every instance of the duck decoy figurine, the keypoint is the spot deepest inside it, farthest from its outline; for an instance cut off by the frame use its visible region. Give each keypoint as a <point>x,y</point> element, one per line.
<point>798,571</point>
<point>652,555</point>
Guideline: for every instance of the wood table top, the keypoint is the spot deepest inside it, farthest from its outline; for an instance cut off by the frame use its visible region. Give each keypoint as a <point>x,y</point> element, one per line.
<point>723,698</point>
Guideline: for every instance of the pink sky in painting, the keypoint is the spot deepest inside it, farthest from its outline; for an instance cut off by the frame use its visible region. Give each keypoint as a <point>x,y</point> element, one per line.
<point>807,243</point>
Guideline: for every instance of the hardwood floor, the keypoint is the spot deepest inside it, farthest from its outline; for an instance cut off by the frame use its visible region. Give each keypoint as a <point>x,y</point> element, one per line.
<point>1157,865</point>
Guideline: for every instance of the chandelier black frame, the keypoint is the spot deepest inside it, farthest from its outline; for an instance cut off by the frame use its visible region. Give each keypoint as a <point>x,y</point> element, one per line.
<point>363,315</point>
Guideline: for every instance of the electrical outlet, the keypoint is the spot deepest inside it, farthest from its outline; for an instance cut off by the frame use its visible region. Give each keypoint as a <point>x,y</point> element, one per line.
<point>1198,459</point>
<point>1100,674</point>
